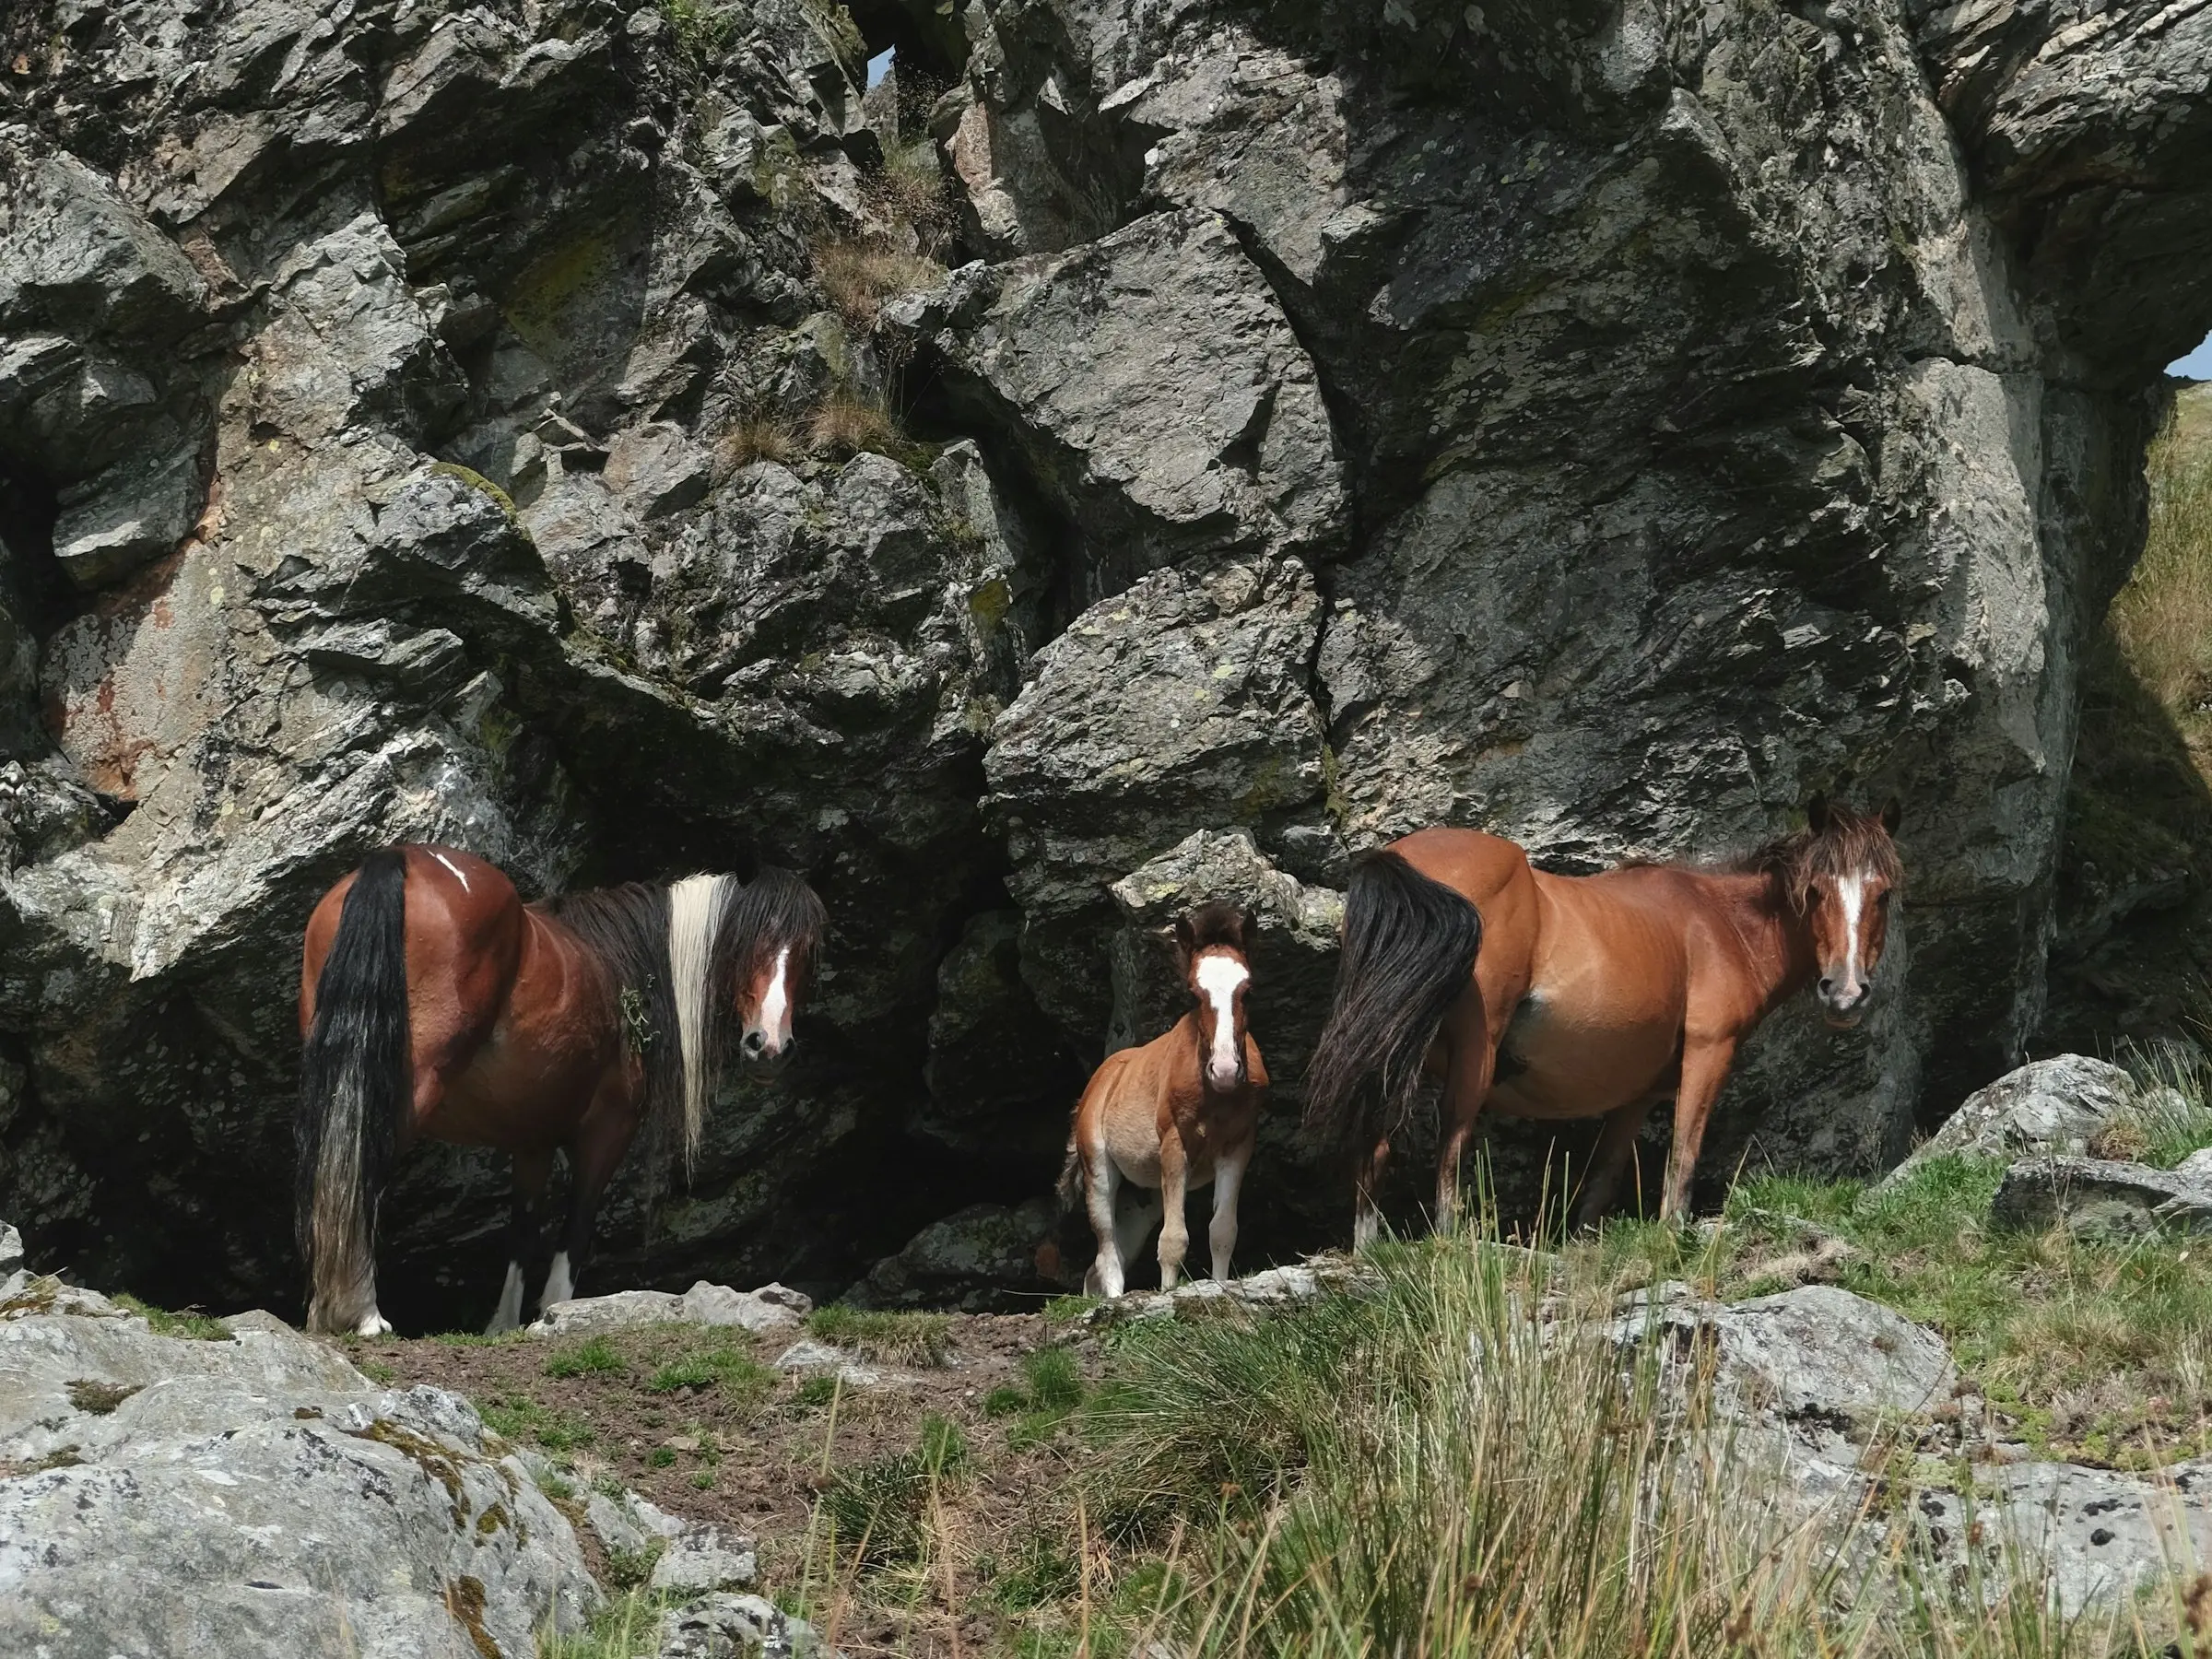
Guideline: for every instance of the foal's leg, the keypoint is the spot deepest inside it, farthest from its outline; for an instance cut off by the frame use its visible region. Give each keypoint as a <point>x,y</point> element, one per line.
<point>1704,1068</point>
<point>533,1170</point>
<point>1174,1225</point>
<point>1102,1179</point>
<point>1228,1175</point>
<point>1616,1142</point>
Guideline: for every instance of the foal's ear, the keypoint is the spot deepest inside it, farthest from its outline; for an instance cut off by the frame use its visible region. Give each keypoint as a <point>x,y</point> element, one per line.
<point>1186,943</point>
<point>1816,815</point>
<point>1893,813</point>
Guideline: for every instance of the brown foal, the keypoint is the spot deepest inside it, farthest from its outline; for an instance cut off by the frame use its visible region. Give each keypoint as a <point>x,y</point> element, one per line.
<point>1179,1112</point>
<point>435,1005</point>
<point>1575,996</point>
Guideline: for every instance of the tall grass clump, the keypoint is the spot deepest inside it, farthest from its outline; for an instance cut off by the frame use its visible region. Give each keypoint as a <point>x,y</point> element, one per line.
<point>2170,1114</point>
<point>1468,1460</point>
<point>859,273</point>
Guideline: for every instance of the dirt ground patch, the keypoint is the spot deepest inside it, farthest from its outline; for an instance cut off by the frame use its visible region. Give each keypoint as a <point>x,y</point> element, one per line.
<point>703,1423</point>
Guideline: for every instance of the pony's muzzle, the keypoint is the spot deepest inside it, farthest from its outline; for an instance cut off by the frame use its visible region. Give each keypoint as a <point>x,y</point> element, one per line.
<point>1843,1001</point>
<point>755,1046</point>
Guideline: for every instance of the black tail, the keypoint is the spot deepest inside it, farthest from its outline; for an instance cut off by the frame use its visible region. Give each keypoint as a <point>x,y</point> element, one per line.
<point>1409,947</point>
<point>353,1088</point>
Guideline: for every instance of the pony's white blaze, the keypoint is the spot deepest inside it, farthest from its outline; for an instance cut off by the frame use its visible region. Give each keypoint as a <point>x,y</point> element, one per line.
<point>1218,976</point>
<point>695,909</point>
<point>1852,890</point>
<point>455,868</point>
<point>775,1004</point>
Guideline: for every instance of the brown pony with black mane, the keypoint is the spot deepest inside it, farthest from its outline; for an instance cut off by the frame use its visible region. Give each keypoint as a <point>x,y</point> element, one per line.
<point>1574,997</point>
<point>435,1005</point>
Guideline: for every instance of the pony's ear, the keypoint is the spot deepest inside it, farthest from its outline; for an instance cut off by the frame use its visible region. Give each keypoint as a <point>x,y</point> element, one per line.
<point>1816,815</point>
<point>1893,813</point>
<point>1186,945</point>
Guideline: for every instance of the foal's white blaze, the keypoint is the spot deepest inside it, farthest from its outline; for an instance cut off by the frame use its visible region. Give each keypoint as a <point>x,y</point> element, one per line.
<point>455,868</point>
<point>1218,977</point>
<point>775,1004</point>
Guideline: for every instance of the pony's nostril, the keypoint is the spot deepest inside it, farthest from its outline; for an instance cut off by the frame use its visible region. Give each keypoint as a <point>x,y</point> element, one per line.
<point>754,1043</point>
<point>1828,986</point>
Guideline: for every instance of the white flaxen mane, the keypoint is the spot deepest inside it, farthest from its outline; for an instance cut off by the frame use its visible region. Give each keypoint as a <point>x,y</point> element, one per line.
<point>697,908</point>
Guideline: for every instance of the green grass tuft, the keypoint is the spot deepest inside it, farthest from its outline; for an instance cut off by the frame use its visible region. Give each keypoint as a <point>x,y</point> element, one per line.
<point>894,1338</point>
<point>191,1325</point>
<point>743,1380</point>
<point>520,1419</point>
<point>879,1514</point>
<point>594,1358</point>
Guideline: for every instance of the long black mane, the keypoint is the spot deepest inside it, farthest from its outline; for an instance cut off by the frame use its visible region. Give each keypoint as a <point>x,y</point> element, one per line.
<point>626,928</point>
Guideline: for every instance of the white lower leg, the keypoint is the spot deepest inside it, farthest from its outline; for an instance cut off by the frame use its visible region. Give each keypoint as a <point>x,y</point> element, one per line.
<point>1174,1232</point>
<point>1367,1225</point>
<point>373,1324</point>
<point>509,1314</point>
<point>1101,1181</point>
<point>558,1287</point>
<point>1228,1176</point>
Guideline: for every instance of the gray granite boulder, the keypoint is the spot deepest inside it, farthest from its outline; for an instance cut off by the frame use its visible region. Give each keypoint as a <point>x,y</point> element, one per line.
<point>255,1495</point>
<point>1156,390</point>
<point>737,1626</point>
<point>1180,704</point>
<point>2047,1106</point>
<point>771,1308</point>
<point>2100,1197</point>
<point>1818,1360</point>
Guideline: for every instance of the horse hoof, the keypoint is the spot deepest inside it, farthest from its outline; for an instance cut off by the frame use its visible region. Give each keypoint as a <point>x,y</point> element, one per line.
<point>373,1324</point>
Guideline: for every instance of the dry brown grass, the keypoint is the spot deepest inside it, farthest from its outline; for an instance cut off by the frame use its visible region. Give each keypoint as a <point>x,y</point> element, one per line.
<point>758,438</point>
<point>858,275</point>
<point>844,425</point>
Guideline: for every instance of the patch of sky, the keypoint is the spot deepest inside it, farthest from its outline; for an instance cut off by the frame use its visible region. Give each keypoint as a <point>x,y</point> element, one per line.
<point>880,65</point>
<point>2197,365</point>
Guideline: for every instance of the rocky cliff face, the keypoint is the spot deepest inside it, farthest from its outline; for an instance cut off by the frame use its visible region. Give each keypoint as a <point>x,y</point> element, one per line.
<point>578,430</point>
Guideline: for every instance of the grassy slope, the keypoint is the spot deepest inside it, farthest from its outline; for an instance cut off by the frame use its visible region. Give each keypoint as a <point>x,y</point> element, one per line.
<point>2139,813</point>
<point>1417,1470</point>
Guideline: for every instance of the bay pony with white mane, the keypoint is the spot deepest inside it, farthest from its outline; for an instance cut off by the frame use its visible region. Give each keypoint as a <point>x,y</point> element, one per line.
<point>1578,996</point>
<point>435,1005</point>
<point>1178,1112</point>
